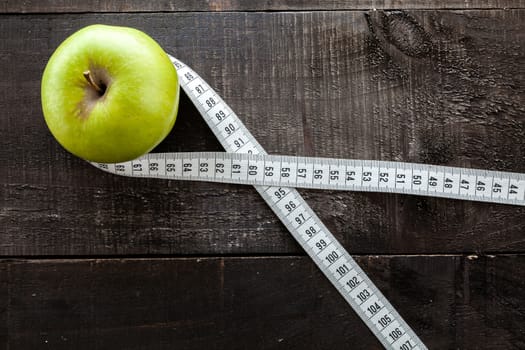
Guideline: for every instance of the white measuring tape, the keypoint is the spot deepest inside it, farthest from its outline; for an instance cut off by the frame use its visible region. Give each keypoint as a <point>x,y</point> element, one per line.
<point>329,174</point>
<point>275,177</point>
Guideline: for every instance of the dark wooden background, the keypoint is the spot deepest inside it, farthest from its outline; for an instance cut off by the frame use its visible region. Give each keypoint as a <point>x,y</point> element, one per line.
<point>93,261</point>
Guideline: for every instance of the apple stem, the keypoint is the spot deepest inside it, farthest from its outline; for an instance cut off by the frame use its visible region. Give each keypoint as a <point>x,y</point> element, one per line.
<point>89,78</point>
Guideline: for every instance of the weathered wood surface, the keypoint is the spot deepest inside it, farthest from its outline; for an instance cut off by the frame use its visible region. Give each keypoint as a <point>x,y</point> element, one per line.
<point>437,87</point>
<point>453,302</point>
<point>58,6</point>
<point>440,87</point>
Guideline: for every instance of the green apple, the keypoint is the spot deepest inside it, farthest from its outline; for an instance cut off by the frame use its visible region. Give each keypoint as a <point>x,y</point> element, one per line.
<point>109,94</point>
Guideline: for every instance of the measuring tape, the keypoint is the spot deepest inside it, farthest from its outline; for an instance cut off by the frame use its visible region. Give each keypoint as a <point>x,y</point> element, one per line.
<point>275,178</point>
<point>329,174</point>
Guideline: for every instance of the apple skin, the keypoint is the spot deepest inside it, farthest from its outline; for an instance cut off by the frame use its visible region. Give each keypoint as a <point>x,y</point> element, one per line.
<point>137,103</point>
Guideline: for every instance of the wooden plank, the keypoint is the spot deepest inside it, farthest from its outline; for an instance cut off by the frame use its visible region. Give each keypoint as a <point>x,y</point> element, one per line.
<point>68,6</point>
<point>257,303</point>
<point>4,312</point>
<point>436,87</point>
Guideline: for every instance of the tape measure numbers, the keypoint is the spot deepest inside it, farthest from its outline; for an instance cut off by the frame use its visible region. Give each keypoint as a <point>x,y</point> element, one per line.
<point>329,174</point>
<point>275,177</point>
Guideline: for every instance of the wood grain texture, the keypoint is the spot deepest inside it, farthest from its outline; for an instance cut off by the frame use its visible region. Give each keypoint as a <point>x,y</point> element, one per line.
<point>69,6</point>
<point>440,87</point>
<point>424,86</point>
<point>253,303</point>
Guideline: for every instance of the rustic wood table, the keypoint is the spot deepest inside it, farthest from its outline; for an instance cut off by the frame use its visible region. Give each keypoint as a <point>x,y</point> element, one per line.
<point>94,261</point>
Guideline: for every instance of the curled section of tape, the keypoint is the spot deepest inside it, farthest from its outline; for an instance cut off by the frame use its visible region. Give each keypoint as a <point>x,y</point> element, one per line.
<point>275,177</point>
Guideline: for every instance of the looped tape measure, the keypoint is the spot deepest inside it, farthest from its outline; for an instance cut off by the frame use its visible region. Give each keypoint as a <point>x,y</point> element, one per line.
<point>275,178</point>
